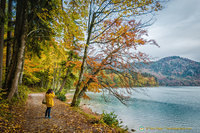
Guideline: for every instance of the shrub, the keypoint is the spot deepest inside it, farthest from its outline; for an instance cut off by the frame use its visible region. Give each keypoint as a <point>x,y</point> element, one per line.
<point>61,96</point>
<point>57,93</point>
<point>23,92</point>
<point>22,95</point>
<point>112,120</point>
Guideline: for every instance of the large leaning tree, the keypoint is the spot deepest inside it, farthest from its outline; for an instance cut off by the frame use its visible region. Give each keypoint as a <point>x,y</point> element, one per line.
<point>108,26</point>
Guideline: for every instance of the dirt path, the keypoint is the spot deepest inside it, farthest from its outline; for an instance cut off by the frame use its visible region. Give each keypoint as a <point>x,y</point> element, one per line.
<point>64,118</point>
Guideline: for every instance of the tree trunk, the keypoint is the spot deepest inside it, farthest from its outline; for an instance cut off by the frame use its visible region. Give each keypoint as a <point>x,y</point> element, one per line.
<point>15,81</point>
<point>54,76</point>
<point>46,84</point>
<point>17,58</point>
<point>67,73</point>
<point>74,101</point>
<point>46,80</point>
<point>20,76</point>
<point>22,70</point>
<point>80,95</point>
<point>64,80</point>
<point>57,79</point>
<point>9,36</point>
<point>2,21</point>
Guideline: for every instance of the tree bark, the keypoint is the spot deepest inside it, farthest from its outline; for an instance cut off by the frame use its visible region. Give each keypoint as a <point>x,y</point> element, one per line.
<point>57,79</point>
<point>74,101</point>
<point>22,70</point>
<point>67,73</point>
<point>64,80</point>
<point>15,81</point>
<point>80,95</point>
<point>20,76</point>
<point>9,36</point>
<point>17,58</point>
<point>46,80</point>
<point>2,21</point>
<point>90,27</point>
<point>54,76</point>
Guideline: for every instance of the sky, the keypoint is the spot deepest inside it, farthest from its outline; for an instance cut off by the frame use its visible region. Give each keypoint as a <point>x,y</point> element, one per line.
<point>176,30</point>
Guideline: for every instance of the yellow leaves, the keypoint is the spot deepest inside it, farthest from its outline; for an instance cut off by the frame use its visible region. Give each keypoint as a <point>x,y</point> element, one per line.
<point>94,87</point>
<point>4,106</point>
<point>7,117</point>
<point>44,9</point>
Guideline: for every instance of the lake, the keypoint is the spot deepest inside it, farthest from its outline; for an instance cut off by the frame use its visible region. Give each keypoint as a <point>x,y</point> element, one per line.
<point>154,109</point>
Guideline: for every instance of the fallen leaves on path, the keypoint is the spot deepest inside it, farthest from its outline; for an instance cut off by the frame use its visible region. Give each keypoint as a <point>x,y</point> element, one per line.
<point>65,119</point>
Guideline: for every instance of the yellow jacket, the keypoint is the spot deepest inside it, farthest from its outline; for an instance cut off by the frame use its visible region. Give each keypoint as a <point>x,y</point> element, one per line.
<point>49,99</point>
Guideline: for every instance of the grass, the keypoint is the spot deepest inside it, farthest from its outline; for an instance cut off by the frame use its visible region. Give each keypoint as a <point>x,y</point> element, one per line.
<point>98,119</point>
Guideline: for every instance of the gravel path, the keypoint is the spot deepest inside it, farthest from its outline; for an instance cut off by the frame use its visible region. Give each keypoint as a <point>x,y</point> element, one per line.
<point>64,118</point>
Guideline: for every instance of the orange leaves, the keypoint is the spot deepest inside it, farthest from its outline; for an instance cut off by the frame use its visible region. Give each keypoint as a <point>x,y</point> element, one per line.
<point>86,97</point>
<point>31,66</point>
<point>94,63</point>
<point>140,41</point>
<point>102,74</point>
<point>132,23</point>
<point>119,41</point>
<point>94,87</point>
<point>77,64</point>
<point>122,32</point>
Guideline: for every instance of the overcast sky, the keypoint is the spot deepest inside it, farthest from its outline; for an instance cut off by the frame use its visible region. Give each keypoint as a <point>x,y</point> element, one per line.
<point>176,30</point>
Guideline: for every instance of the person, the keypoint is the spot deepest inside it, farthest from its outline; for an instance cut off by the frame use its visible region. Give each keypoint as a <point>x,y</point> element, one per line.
<point>49,102</point>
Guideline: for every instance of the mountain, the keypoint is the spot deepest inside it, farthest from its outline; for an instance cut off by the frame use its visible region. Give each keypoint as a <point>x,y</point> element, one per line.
<point>173,71</point>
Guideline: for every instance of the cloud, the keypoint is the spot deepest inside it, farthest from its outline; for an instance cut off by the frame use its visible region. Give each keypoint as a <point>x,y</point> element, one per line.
<point>177,30</point>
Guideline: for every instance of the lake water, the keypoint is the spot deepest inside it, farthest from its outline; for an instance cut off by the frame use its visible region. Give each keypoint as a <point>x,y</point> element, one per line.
<point>155,109</point>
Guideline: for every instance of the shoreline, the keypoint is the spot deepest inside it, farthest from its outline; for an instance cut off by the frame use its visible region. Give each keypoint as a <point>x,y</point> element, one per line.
<point>84,107</point>
<point>87,110</point>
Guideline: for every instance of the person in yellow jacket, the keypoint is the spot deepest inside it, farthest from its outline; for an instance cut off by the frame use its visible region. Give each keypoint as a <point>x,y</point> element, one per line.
<point>49,102</point>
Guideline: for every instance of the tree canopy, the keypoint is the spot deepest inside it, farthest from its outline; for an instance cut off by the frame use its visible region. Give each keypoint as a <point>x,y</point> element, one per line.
<point>82,45</point>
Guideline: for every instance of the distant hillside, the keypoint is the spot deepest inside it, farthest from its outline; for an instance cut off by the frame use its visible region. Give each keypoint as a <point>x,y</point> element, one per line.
<point>173,71</point>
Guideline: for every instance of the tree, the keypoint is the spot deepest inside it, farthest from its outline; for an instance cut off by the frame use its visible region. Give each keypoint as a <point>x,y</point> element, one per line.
<point>69,69</point>
<point>73,37</point>
<point>28,26</point>
<point>116,56</point>
<point>9,36</point>
<point>99,12</point>
<point>17,58</point>
<point>2,21</point>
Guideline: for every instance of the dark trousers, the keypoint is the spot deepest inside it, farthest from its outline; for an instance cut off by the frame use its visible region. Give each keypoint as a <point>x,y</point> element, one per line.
<point>48,111</point>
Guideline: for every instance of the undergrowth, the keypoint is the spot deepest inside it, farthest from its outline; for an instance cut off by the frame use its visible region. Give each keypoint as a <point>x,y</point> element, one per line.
<point>61,96</point>
<point>112,120</point>
<point>11,111</point>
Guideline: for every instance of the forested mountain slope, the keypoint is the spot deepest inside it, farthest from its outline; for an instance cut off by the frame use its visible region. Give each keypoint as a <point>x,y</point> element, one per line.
<point>173,71</point>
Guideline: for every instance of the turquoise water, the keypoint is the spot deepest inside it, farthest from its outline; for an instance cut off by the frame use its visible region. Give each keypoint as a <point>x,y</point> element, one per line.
<point>156,109</point>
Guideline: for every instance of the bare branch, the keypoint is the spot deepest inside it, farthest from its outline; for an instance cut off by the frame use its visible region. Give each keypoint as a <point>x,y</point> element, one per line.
<point>105,29</point>
<point>115,94</point>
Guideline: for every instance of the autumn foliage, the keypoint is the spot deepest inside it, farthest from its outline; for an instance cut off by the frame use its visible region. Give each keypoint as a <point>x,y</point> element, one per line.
<point>116,51</point>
